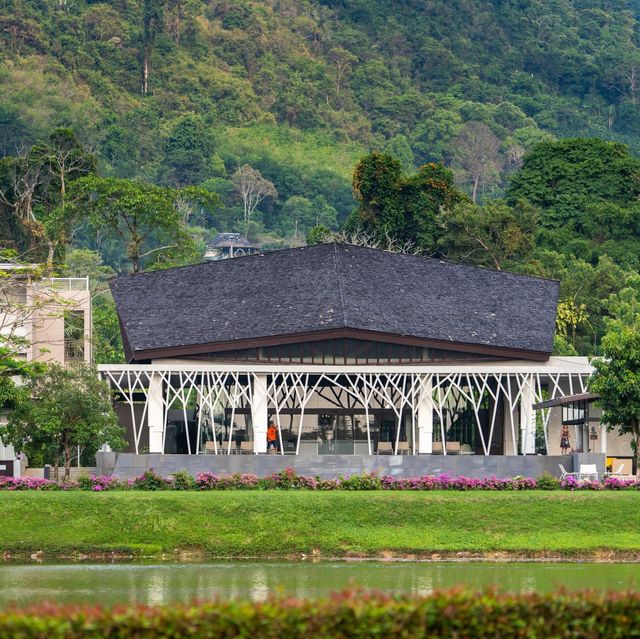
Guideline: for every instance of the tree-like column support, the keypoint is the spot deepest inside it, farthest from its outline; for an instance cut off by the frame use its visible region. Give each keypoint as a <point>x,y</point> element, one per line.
<point>425,416</point>
<point>259,413</point>
<point>156,414</point>
<point>527,417</point>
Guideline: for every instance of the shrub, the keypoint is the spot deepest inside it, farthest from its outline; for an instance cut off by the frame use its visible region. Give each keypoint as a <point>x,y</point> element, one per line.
<point>150,481</point>
<point>27,483</point>
<point>287,479</point>
<point>97,483</point>
<point>620,483</point>
<point>354,613</point>
<point>570,483</point>
<point>182,480</point>
<point>368,481</point>
<point>547,481</point>
<point>211,481</point>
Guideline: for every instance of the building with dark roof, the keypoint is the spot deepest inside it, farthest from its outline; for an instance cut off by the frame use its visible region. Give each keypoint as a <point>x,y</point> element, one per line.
<point>335,291</point>
<point>345,350</point>
<point>225,245</point>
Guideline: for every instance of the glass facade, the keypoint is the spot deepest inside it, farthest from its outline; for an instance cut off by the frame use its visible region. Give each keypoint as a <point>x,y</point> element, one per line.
<point>344,351</point>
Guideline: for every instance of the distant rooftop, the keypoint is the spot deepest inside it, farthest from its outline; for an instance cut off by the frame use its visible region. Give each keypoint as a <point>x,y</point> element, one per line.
<point>228,240</point>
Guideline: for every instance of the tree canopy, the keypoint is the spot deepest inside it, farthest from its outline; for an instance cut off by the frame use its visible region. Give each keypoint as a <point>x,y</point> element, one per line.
<point>59,410</point>
<point>617,381</point>
<point>394,205</point>
<point>143,216</point>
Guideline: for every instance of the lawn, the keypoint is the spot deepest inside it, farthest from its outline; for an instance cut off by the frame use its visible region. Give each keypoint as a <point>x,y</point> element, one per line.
<point>290,523</point>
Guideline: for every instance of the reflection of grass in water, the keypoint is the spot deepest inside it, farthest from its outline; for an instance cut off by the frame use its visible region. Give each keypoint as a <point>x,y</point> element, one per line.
<point>167,582</point>
<point>281,523</point>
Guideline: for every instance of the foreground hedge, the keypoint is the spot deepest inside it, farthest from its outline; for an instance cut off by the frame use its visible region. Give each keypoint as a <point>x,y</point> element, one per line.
<point>348,614</point>
<point>287,479</point>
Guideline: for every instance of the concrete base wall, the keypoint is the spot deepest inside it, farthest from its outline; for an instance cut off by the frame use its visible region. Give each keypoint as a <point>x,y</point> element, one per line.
<point>129,465</point>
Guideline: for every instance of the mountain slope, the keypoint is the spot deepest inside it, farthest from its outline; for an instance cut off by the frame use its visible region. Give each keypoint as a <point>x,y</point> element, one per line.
<point>349,75</point>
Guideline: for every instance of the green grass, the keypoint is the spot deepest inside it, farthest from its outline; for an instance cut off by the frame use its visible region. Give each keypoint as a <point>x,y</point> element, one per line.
<point>292,146</point>
<point>281,523</point>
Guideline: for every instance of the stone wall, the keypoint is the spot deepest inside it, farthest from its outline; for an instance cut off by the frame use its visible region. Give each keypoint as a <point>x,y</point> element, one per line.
<point>129,465</point>
<point>74,472</point>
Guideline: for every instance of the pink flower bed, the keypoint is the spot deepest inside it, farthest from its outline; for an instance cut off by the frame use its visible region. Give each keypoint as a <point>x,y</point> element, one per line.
<point>27,483</point>
<point>287,479</point>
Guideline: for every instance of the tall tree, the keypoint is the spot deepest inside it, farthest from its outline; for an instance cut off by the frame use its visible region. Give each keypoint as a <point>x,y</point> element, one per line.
<point>60,410</point>
<point>476,153</point>
<point>405,208</point>
<point>253,189</point>
<point>148,218</point>
<point>617,380</point>
<point>565,177</point>
<point>152,23</point>
<point>187,151</point>
<point>34,190</point>
<point>493,235</point>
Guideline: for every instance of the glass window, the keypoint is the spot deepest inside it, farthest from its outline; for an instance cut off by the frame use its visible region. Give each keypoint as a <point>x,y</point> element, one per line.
<point>342,351</point>
<point>74,335</point>
<point>350,353</point>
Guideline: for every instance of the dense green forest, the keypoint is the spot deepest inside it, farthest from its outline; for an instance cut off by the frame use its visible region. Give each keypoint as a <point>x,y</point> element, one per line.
<point>502,133</point>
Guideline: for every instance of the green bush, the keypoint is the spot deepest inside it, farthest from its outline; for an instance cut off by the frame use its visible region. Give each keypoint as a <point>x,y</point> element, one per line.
<point>546,481</point>
<point>150,481</point>
<point>367,481</point>
<point>182,480</point>
<point>348,614</point>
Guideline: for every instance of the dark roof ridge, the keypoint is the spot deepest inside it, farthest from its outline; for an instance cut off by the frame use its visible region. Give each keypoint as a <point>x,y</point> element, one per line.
<point>343,306</point>
<point>208,263</point>
<point>446,261</point>
<point>336,245</point>
<point>211,263</point>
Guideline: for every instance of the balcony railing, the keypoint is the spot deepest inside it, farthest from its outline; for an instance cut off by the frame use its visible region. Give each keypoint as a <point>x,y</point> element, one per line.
<point>64,283</point>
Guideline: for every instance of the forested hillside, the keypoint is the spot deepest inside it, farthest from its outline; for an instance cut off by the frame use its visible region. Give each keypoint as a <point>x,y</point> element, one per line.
<point>492,132</point>
<point>183,91</point>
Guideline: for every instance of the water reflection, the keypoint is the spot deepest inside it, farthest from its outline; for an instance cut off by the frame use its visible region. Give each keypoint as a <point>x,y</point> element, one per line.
<point>164,583</point>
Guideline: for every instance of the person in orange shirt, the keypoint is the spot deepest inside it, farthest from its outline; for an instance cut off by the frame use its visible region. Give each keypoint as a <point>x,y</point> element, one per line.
<point>272,436</point>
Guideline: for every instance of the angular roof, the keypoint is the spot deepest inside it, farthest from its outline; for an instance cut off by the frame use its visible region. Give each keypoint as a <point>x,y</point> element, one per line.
<point>325,290</point>
<point>225,240</point>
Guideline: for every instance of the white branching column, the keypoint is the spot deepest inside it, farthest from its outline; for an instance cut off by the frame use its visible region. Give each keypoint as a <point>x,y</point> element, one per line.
<point>527,416</point>
<point>425,416</point>
<point>155,414</point>
<point>259,413</point>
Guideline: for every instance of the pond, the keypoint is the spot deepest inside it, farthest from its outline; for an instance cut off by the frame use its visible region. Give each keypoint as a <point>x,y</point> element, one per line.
<point>169,582</point>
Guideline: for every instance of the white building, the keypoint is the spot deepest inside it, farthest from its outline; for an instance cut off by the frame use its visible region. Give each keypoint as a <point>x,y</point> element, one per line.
<point>48,319</point>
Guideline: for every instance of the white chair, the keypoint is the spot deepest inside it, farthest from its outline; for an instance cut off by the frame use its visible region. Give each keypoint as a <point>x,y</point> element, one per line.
<point>564,474</point>
<point>616,473</point>
<point>588,471</point>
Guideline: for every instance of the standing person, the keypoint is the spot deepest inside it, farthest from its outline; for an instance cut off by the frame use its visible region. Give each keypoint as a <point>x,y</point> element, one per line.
<point>272,436</point>
<point>564,440</point>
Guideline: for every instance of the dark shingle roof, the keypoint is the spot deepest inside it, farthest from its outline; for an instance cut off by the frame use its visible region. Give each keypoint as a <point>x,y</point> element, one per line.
<point>334,286</point>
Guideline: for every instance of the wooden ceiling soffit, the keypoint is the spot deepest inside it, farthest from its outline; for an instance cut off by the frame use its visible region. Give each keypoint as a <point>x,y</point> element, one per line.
<point>374,336</point>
